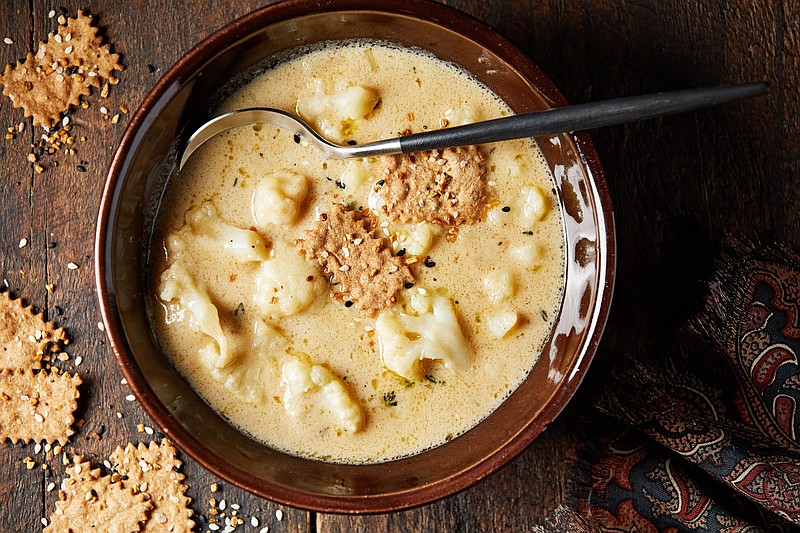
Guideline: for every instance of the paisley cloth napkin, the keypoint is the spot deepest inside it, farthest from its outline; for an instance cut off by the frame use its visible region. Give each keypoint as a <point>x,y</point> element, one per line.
<point>706,438</point>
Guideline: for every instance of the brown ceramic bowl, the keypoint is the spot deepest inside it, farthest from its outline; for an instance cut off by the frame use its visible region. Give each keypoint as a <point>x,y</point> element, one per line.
<point>146,158</point>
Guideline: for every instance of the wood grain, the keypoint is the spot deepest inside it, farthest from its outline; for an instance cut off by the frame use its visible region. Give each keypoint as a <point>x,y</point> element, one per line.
<point>680,185</point>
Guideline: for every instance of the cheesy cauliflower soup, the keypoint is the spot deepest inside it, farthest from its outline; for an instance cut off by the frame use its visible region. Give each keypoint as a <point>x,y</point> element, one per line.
<point>357,310</point>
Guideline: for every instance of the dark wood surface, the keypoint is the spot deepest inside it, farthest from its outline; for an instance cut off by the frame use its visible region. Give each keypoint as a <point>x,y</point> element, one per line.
<point>680,185</point>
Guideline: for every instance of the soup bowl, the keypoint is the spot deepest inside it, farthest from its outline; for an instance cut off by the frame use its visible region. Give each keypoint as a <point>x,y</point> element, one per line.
<point>147,156</point>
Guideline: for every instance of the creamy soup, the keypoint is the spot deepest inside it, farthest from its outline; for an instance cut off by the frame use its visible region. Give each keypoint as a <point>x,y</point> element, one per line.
<point>320,306</point>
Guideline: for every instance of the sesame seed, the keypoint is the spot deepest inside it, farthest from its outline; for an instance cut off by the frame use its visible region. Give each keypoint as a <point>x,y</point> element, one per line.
<point>23,242</point>
<point>214,487</point>
<point>101,326</point>
<point>78,360</point>
<point>130,397</point>
<point>68,49</point>
<point>115,119</point>
<point>123,381</point>
<point>344,268</point>
<point>38,417</point>
<point>254,521</point>
<point>213,527</point>
<point>148,430</point>
<point>51,14</point>
<point>50,486</point>
<point>104,110</point>
<point>65,121</point>
<point>264,529</point>
<point>8,40</point>
<point>44,520</point>
<point>118,414</point>
<point>58,38</point>
<point>279,515</point>
<point>37,448</point>
<point>62,19</point>
<point>160,518</point>
<point>222,505</point>
<point>72,266</point>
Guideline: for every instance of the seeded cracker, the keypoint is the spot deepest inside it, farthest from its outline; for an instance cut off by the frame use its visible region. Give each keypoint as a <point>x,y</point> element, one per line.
<point>153,471</point>
<point>363,265</point>
<point>442,186</point>
<point>63,70</point>
<point>25,336</point>
<point>90,502</point>
<point>37,407</point>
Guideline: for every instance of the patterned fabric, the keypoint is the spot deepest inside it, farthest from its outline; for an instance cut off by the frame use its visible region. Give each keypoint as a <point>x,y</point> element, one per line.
<point>711,440</point>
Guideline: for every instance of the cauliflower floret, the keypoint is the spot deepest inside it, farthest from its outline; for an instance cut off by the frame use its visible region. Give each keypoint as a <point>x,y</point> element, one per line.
<point>286,283</point>
<point>250,364</point>
<point>355,175</point>
<point>278,197</point>
<point>333,114</point>
<point>498,217</point>
<point>501,323</point>
<point>404,340</point>
<point>499,286</point>
<point>528,255</point>
<point>180,289</point>
<point>464,115</point>
<point>310,386</point>
<point>205,225</point>
<point>416,239</point>
<point>535,205</point>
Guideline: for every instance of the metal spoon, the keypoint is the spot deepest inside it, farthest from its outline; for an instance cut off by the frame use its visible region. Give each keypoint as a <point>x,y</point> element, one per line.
<point>570,118</point>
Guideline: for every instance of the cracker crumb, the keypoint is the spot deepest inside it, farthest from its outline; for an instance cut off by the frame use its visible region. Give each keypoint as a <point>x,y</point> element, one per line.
<point>372,275</point>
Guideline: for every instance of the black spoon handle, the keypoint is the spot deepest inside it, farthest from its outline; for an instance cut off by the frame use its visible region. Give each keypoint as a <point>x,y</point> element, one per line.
<point>581,116</point>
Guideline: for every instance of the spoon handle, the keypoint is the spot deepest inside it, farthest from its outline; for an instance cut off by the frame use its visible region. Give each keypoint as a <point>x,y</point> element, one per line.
<point>580,117</point>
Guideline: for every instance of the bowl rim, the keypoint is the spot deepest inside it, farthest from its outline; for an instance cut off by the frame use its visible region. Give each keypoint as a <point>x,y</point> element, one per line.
<point>182,70</point>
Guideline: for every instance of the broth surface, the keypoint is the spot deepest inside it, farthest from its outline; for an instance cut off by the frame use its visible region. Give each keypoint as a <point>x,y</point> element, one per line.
<point>523,255</point>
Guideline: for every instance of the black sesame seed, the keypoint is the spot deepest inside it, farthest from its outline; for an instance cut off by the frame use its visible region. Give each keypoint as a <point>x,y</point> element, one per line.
<point>297,138</point>
<point>339,184</point>
<point>408,285</point>
<point>51,245</point>
<point>81,168</point>
<point>401,252</point>
<point>62,11</point>
<point>151,68</point>
<point>348,303</point>
<point>58,310</point>
<point>506,209</point>
<point>351,142</point>
<point>381,182</point>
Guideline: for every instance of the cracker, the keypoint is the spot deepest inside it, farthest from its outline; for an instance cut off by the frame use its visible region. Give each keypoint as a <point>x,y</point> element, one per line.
<point>37,407</point>
<point>63,70</point>
<point>153,471</point>
<point>363,265</point>
<point>91,502</point>
<point>445,187</point>
<point>25,336</point>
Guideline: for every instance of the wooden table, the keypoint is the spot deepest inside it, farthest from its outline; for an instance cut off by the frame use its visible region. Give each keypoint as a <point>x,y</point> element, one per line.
<point>679,185</point>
